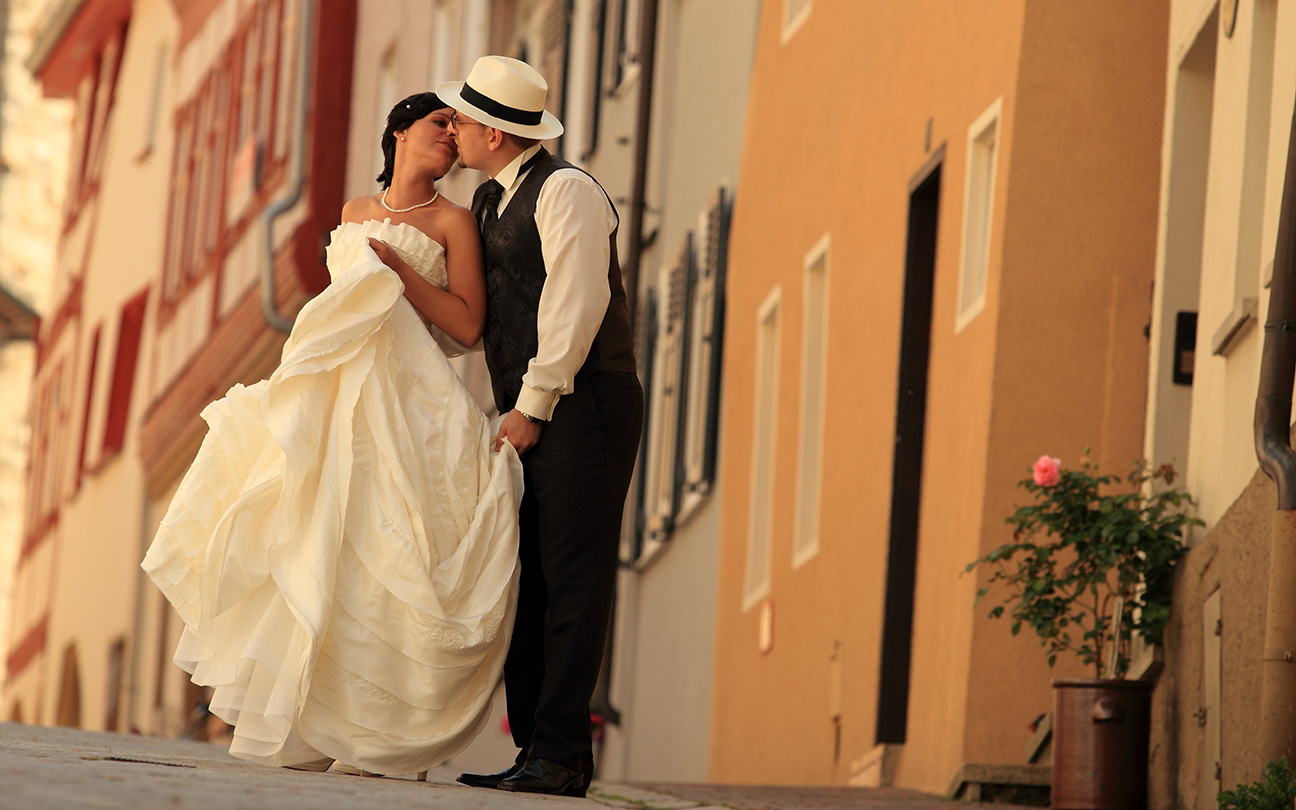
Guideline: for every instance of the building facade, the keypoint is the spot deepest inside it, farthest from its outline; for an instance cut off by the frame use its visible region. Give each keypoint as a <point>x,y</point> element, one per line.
<point>1230,83</point>
<point>214,143</point>
<point>941,264</point>
<point>204,136</point>
<point>33,169</point>
<point>881,258</point>
<point>679,192</point>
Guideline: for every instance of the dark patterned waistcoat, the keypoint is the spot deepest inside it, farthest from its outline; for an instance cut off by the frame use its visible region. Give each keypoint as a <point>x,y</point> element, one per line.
<point>515,275</point>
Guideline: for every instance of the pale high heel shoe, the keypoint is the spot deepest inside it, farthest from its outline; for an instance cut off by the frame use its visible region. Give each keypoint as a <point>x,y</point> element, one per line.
<point>342,767</point>
<point>314,765</point>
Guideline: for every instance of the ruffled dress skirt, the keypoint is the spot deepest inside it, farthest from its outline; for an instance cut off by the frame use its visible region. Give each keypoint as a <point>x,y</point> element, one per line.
<point>343,550</point>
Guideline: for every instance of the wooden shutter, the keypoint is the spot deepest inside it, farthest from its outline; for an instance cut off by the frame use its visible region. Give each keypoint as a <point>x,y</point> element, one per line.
<point>89,401</point>
<point>706,348</point>
<point>666,436</point>
<point>645,347</point>
<point>123,380</point>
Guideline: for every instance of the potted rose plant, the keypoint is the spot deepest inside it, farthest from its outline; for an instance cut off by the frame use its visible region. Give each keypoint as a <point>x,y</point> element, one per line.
<point>1090,564</point>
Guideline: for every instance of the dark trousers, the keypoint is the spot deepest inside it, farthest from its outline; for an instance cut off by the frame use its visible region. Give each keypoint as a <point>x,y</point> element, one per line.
<point>576,482</point>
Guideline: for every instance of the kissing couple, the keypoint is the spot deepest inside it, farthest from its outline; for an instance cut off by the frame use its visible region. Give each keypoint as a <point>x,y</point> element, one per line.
<point>358,552</point>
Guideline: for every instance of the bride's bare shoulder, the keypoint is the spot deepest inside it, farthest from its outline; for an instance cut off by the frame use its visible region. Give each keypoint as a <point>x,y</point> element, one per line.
<point>360,209</point>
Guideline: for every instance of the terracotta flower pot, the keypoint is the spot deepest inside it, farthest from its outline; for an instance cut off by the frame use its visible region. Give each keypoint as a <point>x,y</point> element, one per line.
<point>1101,729</point>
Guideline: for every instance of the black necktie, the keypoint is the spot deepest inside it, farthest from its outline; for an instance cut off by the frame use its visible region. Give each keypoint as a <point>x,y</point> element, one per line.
<point>490,204</point>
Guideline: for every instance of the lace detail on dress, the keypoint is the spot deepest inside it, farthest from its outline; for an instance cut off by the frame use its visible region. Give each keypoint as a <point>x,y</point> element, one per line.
<point>450,637</point>
<point>326,667</point>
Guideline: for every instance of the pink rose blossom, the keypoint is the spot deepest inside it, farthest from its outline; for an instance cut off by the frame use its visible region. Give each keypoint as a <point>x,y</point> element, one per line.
<point>1047,471</point>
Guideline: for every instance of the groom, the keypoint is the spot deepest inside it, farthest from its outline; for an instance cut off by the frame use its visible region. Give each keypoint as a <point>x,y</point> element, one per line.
<point>561,358</point>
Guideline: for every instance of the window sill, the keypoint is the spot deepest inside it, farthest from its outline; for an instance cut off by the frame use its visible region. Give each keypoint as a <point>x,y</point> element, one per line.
<point>1236,324</point>
<point>629,78</point>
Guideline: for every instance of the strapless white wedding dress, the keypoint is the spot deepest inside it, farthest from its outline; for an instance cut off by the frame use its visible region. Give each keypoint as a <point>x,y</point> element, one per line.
<point>343,551</point>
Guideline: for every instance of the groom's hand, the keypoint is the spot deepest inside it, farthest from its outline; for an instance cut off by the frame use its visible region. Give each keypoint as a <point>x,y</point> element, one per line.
<point>520,431</point>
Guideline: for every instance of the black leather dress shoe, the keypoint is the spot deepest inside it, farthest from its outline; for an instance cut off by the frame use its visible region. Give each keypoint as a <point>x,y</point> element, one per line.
<point>543,776</point>
<point>488,780</point>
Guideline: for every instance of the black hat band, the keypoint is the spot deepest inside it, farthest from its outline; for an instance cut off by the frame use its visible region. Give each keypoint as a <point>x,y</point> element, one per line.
<point>502,111</point>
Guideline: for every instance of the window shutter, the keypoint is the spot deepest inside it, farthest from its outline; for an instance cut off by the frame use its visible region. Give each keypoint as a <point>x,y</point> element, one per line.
<point>667,433</point>
<point>645,346</point>
<point>707,349</point>
<point>89,401</point>
<point>554,44</point>
<point>123,379</point>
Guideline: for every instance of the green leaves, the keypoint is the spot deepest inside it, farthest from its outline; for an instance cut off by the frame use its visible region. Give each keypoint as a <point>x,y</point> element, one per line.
<point>1079,550</point>
<point>1277,791</point>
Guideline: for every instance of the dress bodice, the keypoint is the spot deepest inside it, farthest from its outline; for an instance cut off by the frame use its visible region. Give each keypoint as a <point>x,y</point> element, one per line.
<point>420,251</point>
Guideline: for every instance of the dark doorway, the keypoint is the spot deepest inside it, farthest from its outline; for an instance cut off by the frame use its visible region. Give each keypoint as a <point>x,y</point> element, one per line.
<point>906,476</point>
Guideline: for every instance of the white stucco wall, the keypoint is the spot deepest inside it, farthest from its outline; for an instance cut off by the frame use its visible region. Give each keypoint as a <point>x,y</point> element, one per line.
<point>665,624</point>
<point>1251,107</point>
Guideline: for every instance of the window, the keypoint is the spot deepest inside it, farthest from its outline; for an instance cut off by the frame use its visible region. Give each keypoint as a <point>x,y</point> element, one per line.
<point>387,98</point>
<point>89,403</point>
<point>625,59</point>
<point>678,341</point>
<point>93,104</point>
<point>447,28</point>
<point>978,206</point>
<point>584,86</point>
<point>645,337</point>
<point>552,52</point>
<point>795,13</point>
<point>1251,247</point>
<point>702,405</point>
<point>814,347</point>
<point>760,529</point>
<point>105,83</point>
<point>668,406</point>
<point>149,125</point>
<point>49,454</point>
<point>222,136</point>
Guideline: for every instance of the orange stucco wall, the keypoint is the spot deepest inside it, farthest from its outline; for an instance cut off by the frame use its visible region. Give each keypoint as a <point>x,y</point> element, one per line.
<point>1076,276</point>
<point>1056,360</point>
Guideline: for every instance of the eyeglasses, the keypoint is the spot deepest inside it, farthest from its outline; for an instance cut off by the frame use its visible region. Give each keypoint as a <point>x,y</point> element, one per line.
<point>456,123</point>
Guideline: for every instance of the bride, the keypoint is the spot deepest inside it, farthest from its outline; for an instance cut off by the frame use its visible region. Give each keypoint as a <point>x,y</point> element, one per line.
<point>343,551</point>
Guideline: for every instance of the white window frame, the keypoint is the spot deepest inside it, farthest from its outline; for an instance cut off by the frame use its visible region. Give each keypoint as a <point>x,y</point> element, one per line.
<point>794,17</point>
<point>982,156</point>
<point>149,124</point>
<point>386,93</point>
<point>765,397</point>
<point>814,351</point>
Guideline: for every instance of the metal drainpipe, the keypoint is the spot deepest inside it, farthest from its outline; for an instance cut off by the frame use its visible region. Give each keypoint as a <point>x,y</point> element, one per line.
<point>297,174</point>
<point>137,623</point>
<point>1277,459</point>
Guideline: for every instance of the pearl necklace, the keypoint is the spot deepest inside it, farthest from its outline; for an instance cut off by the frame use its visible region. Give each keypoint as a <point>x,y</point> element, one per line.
<point>435,194</point>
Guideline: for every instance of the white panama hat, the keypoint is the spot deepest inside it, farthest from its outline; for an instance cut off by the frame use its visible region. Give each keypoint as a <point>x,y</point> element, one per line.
<point>506,94</point>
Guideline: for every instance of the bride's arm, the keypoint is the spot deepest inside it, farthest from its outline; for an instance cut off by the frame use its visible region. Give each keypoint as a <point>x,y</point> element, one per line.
<point>460,311</point>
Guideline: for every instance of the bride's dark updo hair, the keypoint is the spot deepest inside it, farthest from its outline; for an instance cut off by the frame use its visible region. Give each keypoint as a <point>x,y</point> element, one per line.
<point>406,112</point>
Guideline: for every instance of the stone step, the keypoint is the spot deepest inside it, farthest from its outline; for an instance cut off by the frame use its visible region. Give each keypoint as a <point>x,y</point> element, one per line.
<point>1013,784</point>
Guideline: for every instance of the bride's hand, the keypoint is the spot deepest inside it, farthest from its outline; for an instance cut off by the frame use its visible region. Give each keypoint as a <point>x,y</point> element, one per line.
<point>387,255</point>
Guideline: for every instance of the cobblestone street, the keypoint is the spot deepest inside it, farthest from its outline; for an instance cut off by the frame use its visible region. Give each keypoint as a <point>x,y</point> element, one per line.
<point>68,769</point>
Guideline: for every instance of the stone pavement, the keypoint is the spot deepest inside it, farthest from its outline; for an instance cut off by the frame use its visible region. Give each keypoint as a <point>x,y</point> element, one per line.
<point>69,769</point>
